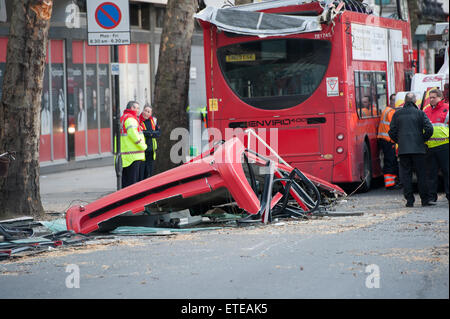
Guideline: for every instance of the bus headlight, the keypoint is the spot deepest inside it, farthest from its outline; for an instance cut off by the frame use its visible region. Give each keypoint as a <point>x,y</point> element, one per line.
<point>340,150</point>
<point>340,136</point>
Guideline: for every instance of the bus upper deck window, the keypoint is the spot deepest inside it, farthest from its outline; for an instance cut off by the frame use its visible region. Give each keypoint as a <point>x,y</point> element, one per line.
<point>275,73</point>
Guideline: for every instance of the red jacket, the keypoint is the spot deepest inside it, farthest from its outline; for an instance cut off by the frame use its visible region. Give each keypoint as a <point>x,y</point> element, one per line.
<point>439,113</point>
<point>127,114</point>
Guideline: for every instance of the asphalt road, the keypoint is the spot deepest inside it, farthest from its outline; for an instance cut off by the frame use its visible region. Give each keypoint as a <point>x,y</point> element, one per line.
<point>389,252</point>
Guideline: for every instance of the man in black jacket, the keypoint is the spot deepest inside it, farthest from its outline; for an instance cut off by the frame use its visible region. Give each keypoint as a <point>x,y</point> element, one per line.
<point>151,131</point>
<point>410,128</point>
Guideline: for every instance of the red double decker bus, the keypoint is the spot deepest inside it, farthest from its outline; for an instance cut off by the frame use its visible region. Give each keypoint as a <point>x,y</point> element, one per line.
<point>320,74</point>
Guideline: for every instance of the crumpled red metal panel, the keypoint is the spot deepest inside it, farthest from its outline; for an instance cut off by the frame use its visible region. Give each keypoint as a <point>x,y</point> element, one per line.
<point>220,167</point>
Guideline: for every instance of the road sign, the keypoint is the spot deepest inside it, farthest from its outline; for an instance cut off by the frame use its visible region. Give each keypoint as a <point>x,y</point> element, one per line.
<point>332,86</point>
<point>108,22</point>
<point>115,69</point>
<point>108,15</point>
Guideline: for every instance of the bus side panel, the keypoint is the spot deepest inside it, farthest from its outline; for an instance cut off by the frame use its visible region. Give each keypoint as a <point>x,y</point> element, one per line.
<point>375,152</point>
<point>322,169</point>
<point>399,77</point>
<point>342,170</point>
<point>342,162</point>
<point>207,53</point>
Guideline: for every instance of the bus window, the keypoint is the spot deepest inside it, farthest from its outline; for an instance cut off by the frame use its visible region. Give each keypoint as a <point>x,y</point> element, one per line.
<point>275,74</point>
<point>370,93</point>
<point>381,92</point>
<point>357,95</point>
<point>364,100</point>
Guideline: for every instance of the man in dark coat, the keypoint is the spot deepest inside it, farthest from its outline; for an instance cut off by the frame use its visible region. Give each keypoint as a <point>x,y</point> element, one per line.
<point>151,131</point>
<point>410,128</point>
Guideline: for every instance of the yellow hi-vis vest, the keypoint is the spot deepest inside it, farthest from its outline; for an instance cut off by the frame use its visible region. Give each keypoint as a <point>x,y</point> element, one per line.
<point>154,143</point>
<point>155,146</point>
<point>440,134</point>
<point>132,142</point>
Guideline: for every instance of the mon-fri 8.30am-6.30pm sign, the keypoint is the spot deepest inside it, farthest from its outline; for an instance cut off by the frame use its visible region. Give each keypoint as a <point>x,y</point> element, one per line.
<point>108,22</point>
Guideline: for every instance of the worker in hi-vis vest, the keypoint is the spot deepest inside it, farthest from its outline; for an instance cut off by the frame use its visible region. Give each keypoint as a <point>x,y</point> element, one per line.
<point>367,108</point>
<point>387,146</point>
<point>132,144</point>
<point>151,131</point>
<point>438,147</point>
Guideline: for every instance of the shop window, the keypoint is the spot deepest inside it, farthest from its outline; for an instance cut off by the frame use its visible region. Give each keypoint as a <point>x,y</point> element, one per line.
<point>90,93</point>
<point>76,97</point>
<point>145,16</point>
<point>91,98</point>
<point>81,5</point>
<point>134,62</point>
<point>53,139</point>
<point>135,15</point>
<point>140,15</point>
<point>104,99</point>
<point>58,99</point>
<point>144,74</point>
<point>45,149</point>
<point>160,15</point>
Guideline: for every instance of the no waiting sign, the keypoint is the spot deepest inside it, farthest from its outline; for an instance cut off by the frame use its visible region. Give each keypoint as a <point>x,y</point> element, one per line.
<point>108,22</point>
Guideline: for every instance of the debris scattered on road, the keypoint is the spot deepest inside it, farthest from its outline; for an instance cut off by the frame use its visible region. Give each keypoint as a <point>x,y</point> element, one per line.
<point>22,237</point>
<point>229,176</point>
<point>339,214</point>
<point>156,231</point>
<point>229,185</point>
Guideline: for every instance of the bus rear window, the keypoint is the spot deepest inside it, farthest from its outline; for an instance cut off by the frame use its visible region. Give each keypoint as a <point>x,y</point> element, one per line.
<point>275,74</point>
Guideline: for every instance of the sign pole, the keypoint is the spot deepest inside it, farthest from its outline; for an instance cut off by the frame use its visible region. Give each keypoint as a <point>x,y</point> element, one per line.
<point>116,107</point>
<point>108,23</point>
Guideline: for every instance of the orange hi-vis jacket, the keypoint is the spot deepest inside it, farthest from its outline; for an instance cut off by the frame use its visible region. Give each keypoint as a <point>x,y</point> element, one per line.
<point>385,121</point>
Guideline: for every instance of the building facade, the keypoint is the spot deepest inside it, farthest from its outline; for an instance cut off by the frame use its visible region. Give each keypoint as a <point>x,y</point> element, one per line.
<point>76,114</point>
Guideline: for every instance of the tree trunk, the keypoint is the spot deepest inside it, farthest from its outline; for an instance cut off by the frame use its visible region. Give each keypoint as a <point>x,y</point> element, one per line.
<point>20,106</point>
<point>414,15</point>
<point>172,77</point>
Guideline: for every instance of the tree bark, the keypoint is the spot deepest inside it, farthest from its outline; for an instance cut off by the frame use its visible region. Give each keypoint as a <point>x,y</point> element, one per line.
<point>414,15</point>
<point>172,76</point>
<point>20,106</point>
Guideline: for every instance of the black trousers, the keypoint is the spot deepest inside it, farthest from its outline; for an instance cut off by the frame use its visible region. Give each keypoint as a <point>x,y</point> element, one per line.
<point>390,163</point>
<point>437,158</point>
<point>130,174</point>
<point>408,164</point>
<point>146,169</point>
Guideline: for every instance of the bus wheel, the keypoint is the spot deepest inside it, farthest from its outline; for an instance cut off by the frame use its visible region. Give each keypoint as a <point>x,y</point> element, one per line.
<point>367,182</point>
